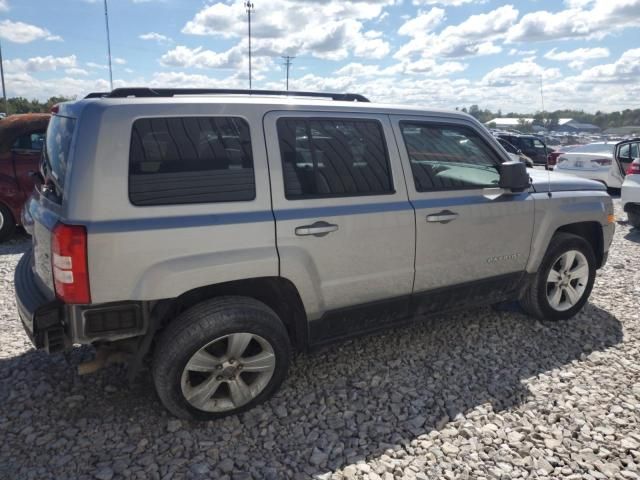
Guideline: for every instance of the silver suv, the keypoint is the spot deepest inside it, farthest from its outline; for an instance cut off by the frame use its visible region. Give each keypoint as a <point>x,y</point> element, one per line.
<point>215,232</point>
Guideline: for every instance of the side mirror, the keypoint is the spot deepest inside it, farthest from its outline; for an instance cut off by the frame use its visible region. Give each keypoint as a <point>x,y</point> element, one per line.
<point>514,176</point>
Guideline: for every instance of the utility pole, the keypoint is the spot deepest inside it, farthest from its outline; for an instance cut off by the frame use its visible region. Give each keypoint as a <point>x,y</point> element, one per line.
<point>4,90</point>
<point>541,96</point>
<point>106,20</point>
<point>287,63</point>
<point>248,5</point>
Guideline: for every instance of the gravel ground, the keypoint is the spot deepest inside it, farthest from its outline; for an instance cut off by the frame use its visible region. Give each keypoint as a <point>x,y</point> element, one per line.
<point>477,394</point>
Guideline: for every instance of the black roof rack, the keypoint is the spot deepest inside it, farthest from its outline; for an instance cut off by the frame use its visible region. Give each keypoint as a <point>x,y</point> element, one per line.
<point>170,92</point>
<point>97,95</point>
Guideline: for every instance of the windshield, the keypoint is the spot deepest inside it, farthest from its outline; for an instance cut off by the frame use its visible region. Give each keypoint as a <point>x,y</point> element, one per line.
<point>55,154</point>
<point>595,148</point>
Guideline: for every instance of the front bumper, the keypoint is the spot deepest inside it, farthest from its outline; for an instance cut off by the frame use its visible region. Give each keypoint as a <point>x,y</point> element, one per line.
<point>41,318</point>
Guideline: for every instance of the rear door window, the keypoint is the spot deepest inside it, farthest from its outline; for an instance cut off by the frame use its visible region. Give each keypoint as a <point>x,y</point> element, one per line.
<point>333,157</point>
<point>190,160</point>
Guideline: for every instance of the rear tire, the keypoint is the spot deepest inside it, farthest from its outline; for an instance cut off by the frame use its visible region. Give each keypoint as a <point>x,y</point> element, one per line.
<point>634,219</point>
<point>560,294</point>
<point>220,357</point>
<point>7,223</point>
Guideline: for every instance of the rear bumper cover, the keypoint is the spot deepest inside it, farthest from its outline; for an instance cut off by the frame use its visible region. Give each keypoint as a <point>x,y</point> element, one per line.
<point>54,326</point>
<point>41,318</point>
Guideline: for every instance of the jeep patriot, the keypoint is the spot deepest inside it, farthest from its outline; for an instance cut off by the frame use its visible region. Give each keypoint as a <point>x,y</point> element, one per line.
<point>215,232</point>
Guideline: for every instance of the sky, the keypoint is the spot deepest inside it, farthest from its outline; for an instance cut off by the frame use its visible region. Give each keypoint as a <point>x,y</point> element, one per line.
<point>514,56</point>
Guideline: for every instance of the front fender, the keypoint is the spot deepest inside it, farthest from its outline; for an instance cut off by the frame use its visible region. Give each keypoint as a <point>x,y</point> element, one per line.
<point>562,209</point>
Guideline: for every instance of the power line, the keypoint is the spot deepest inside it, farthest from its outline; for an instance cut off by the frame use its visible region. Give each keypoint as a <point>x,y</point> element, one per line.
<point>287,62</point>
<point>106,20</point>
<point>249,8</point>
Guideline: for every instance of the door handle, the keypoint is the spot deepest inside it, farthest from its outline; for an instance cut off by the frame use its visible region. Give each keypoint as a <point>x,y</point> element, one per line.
<point>444,216</point>
<point>317,229</point>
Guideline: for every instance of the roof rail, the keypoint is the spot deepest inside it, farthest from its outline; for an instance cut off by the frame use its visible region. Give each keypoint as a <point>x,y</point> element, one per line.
<point>97,95</point>
<point>170,92</point>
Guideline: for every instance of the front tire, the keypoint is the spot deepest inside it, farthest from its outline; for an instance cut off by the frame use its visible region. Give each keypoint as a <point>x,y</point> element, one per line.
<point>220,357</point>
<point>7,223</point>
<point>564,280</point>
<point>634,219</point>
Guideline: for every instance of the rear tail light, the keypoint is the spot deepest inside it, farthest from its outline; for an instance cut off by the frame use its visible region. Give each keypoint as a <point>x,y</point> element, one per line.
<point>603,162</point>
<point>55,109</point>
<point>69,262</point>
<point>634,169</point>
<point>553,157</point>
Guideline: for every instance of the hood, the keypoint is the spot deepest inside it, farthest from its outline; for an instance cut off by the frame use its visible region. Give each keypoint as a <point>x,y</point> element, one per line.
<point>560,182</point>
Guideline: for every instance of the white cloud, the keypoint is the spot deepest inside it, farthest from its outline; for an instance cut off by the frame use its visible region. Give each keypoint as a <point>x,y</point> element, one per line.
<point>626,70</point>
<point>583,19</point>
<point>4,5</point>
<point>95,65</point>
<point>519,73</point>
<point>474,36</point>
<point>40,64</point>
<point>577,57</point>
<point>119,61</point>
<point>156,37</point>
<point>451,3</point>
<point>76,71</point>
<point>423,23</point>
<point>331,29</point>
<point>186,57</point>
<point>20,32</point>
<point>523,53</point>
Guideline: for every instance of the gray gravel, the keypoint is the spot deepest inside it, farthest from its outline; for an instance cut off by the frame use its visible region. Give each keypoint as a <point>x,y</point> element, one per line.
<point>477,394</point>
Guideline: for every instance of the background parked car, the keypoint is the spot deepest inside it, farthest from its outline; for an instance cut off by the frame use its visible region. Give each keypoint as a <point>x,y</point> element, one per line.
<point>631,193</point>
<point>21,141</point>
<point>515,153</point>
<point>596,161</point>
<point>552,158</point>
<point>530,145</point>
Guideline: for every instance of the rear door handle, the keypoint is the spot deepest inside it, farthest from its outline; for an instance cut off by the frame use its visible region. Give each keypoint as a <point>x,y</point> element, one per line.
<point>444,216</point>
<point>317,229</point>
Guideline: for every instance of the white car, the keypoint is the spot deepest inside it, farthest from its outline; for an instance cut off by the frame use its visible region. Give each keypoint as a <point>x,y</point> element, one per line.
<point>631,193</point>
<point>593,161</point>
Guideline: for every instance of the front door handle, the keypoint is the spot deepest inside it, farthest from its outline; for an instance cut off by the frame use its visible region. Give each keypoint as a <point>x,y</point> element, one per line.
<point>317,229</point>
<point>444,216</point>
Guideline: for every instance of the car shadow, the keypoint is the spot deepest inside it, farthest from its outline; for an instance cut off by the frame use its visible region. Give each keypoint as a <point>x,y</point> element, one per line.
<point>19,243</point>
<point>633,235</point>
<point>346,403</point>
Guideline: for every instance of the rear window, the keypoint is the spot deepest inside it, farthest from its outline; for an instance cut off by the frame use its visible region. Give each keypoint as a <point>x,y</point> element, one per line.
<point>190,160</point>
<point>594,148</point>
<point>56,149</point>
<point>333,158</point>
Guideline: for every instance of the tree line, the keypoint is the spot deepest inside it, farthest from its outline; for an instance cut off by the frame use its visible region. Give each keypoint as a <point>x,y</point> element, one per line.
<point>624,118</point>
<point>24,105</point>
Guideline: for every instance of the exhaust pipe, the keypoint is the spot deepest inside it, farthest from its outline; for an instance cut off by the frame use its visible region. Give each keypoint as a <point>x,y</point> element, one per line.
<point>104,356</point>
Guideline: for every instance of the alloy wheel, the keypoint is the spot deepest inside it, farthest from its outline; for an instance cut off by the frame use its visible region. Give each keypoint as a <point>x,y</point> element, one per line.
<point>228,372</point>
<point>567,280</point>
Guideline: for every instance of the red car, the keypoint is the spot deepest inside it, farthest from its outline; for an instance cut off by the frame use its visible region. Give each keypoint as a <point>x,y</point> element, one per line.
<point>21,140</point>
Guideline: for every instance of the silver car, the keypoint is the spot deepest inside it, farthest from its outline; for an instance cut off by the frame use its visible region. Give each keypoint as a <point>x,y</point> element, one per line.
<point>215,232</point>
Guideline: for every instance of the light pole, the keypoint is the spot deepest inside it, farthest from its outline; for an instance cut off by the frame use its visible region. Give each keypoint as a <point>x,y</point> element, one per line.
<point>106,21</point>
<point>4,90</point>
<point>287,63</point>
<point>248,5</point>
